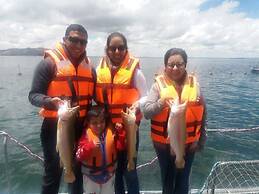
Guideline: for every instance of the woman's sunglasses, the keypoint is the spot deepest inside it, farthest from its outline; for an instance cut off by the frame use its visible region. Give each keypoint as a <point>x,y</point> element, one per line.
<point>114,48</point>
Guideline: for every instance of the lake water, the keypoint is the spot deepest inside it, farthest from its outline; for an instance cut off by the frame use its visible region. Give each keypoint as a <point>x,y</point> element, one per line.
<point>232,97</point>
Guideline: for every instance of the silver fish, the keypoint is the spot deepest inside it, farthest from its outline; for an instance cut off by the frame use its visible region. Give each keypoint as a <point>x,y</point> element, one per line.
<point>66,139</point>
<point>176,128</point>
<point>128,119</point>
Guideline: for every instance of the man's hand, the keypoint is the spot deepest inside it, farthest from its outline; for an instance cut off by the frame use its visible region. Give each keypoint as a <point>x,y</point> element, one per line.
<point>56,101</point>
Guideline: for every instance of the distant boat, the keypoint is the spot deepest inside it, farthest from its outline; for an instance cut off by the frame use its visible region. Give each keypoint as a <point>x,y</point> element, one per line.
<point>19,70</point>
<point>255,69</point>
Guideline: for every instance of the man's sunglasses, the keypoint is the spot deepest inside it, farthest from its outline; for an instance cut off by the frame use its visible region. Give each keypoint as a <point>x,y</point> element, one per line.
<point>76,40</point>
<point>114,48</point>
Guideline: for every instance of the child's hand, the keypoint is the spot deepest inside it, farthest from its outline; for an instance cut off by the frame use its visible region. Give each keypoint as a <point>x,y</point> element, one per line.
<point>118,126</point>
<point>97,144</point>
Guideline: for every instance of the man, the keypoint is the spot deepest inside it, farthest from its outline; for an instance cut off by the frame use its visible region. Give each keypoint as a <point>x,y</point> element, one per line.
<point>64,74</point>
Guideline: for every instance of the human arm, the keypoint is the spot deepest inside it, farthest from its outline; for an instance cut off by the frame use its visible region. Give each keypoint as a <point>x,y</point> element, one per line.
<point>43,74</point>
<point>203,137</point>
<point>85,147</point>
<point>141,85</point>
<point>120,137</point>
<point>154,104</point>
<point>94,75</point>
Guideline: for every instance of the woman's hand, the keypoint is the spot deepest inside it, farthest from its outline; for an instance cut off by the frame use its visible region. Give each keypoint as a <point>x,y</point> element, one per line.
<point>164,101</point>
<point>195,147</point>
<point>135,107</point>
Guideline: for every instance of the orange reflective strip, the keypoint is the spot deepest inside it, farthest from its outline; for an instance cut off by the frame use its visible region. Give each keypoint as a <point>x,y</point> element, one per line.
<point>194,123</point>
<point>103,85</point>
<point>81,97</point>
<point>119,106</point>
<point>163,133</point>
<point>160,129</point>
<point>73,78</point>
<point>193,139</point>
<point>95,169</point>
<point>160,139</point>
<point>114,86</point>
<point>188,125</point>
<point>84,97</point>
<point>194,104</point>
<point>191,134</point>
<point>158,123</point>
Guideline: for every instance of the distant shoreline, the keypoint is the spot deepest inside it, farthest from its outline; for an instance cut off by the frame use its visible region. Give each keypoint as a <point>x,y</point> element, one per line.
<point>22,52</point>
<point>40,52</point>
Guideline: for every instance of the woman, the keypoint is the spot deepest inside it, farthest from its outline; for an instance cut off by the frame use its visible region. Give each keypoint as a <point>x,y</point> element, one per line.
<point>121,84</point>
<point>175,83</point>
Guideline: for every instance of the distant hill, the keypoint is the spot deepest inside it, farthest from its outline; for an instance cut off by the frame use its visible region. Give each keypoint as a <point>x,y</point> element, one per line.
<point>22,52</point>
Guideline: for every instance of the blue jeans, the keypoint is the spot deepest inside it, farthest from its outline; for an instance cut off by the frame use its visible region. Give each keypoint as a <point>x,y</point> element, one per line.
<point>131,177</point>
<point>174,181</point>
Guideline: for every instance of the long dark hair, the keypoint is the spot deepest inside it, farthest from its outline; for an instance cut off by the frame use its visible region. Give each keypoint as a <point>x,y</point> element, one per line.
<point>116,34</point>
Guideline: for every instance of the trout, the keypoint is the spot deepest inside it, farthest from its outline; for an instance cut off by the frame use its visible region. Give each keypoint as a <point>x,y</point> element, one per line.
<point>65,139</point>
<point>176,127</point>
<point>128,119</point>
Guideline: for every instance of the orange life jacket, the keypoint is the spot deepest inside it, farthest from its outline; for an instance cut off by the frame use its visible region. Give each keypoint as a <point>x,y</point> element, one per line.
<point>100,160</point>
<point>117,91</point>
<point>66,74</point>
<point>194,111</point>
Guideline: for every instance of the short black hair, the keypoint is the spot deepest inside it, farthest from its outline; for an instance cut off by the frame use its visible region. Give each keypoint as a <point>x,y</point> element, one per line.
<point>76,27</point>
<point>96,111</point>
<point>116,34</point>
<point>175,51</point>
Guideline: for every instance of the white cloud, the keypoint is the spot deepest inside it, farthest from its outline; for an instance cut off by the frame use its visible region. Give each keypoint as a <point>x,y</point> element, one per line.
<point>151,26</point>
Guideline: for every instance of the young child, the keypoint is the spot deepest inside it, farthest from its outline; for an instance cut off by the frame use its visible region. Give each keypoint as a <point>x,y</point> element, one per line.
<point>97,150</point>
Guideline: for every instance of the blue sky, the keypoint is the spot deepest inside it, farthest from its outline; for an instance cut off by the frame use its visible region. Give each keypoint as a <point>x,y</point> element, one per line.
<point>249,7</point>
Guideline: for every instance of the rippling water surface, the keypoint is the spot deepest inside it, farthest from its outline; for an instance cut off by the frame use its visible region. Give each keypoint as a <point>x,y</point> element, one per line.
<point>232,97</point>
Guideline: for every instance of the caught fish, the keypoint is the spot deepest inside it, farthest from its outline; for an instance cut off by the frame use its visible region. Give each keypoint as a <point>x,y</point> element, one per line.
<point>65,139</point>
<point>176,127</point>
<point>128,119</point>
